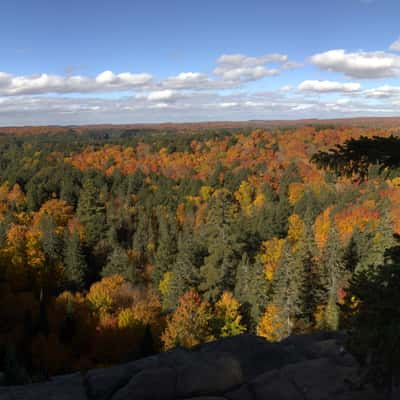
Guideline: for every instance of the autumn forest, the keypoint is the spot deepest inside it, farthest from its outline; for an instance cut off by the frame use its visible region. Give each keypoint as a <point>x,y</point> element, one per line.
<point>120,242</point>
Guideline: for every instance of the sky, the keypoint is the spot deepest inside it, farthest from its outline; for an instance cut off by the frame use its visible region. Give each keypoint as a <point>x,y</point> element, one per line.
<point>130,61</point>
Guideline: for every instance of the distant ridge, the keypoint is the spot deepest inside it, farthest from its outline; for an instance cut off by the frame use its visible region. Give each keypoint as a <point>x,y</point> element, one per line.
<point>190,126</point>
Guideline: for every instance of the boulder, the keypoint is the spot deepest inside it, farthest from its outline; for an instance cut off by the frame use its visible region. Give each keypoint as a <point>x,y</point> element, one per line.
<point>207,398</point>
<point>101,383</point>
<point>149,384</point>
<point>245,367</point>
<point>211,375</point>
<point>320,379</point>
<point>273,385</point>
<point>242,393</point>
<point>254,353</point>
<point>69,387</point>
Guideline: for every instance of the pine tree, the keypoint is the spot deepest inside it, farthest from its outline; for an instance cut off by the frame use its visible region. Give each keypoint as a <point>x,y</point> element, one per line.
<point>74,262</point>
<point>333,278</point>
<point>166,249</point>
<point>219,269</point>
<point>140,237</point>
<point>288,286</point>
<point>119,263</point>
<point>51,241</point>
<point>185,272</point>
<point>252,290</point>
<point>91,212</point>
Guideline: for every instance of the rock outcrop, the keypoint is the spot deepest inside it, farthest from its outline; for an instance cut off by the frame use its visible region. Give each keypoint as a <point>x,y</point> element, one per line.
<point>245,367</point>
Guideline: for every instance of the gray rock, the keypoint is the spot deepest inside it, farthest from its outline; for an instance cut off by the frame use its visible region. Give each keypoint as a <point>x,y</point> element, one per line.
<point>69,387</point>
<point>208,376</point>
<point>207,398</point>
<point>103,382</point>
<point>245,367</point>
<point>243,393</point>
<point>272,385</point>
<point>149,384</point>
<point>254,353</point>
<point>320,379</point>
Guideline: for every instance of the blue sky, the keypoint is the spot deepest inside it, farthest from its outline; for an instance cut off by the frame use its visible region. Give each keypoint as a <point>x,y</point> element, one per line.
<point>121,61</point>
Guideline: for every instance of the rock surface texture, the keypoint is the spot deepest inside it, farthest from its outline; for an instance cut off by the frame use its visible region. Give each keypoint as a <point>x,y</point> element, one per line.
<point>245,367</point>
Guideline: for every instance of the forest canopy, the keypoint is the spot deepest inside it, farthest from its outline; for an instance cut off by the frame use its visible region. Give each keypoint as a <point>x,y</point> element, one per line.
<point>113,241</point>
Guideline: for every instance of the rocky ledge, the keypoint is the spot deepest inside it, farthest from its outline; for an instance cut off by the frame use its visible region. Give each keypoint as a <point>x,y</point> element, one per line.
<point>245,367</point>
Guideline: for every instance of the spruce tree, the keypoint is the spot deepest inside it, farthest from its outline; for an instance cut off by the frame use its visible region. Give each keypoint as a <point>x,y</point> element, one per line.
<point>224,247</point>
<point>91,212</point>
<point>252,290</point>
<point>74,262</point>
<point>333,277</point>
<point>166,249</point>
<point>118,262</point>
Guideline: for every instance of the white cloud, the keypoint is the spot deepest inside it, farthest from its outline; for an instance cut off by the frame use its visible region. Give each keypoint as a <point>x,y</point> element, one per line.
<point>361,64</point>
<point>161,95</point>
<point>382,92</point>
<point>395,46</point>
<point>11,85</point>
<point>328,86</point>
<point>241,68</point>
<point>187,80</point>
<point>232,70</point>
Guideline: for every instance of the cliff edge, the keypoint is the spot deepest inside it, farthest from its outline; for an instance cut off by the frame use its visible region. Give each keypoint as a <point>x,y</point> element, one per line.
<point>245,367</point>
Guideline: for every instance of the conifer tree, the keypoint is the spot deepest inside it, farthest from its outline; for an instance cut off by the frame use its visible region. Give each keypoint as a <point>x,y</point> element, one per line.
<point>333,278</point>
<point>219,269</point>
<point>74,262</point>
<point>252,290</point>
<point>288,286</point>
<point>166,249</point>
<point>91,212</point>
<point>50,240</point>
<point>119,263</point>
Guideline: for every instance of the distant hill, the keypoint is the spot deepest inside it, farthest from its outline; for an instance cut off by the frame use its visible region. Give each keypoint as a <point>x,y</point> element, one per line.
<point>196,126</point>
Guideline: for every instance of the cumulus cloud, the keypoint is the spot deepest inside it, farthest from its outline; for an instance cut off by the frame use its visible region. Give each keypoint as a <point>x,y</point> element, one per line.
<point>187,80</point>
<point>231,71</point>
<point>361,64</point>
<point>395,46</point>
<point>161,95</point>
<point>11,85</point>
<point>241,68</point>
<point>383,92</point>
<point>164,105</point>
<point>194,96</point>
<point>328,86</point>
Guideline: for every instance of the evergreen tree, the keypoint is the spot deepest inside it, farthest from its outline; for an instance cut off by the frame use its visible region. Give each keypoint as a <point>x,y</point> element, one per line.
<point>140,237</point>
<point>252,290</point>
<point>288,287</point>
<point>119,263</point>
<point>166,249</point>
<point>333,278</point>
<point>91,212</point>
<point>185,272</point>
<point>50,240</point>
<point>219,269</point>
<point>74,262</point>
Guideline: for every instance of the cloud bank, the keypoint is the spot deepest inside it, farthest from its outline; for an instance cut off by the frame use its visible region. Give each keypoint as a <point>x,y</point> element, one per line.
<point>228,91</point>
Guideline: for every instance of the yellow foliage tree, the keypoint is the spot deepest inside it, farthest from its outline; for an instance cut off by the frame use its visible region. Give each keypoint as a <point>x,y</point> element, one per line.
<point>322,227</point>
<point>296,228</point>
<point>271,325</point>
<point>108,295</point>
<point>228,316</point>
<point>244,195</point>
<point>271,252</point>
